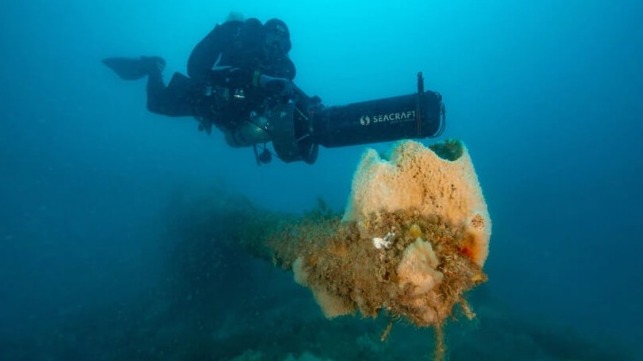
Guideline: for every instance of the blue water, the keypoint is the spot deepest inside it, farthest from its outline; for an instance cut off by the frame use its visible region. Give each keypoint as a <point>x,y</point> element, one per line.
<point>547,95</point>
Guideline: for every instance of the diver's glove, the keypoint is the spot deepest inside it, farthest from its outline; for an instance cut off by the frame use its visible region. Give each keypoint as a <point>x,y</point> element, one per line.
<point>280,86</point>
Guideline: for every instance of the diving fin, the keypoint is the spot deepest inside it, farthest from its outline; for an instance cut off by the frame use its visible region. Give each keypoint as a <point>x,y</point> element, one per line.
<point>134,68</point>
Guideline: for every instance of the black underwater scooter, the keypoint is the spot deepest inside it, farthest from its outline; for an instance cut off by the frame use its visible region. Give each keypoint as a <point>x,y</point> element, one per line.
<point>297,128</point>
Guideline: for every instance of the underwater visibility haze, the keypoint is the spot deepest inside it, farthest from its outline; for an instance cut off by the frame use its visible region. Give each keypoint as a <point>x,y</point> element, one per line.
<point>130,235</point>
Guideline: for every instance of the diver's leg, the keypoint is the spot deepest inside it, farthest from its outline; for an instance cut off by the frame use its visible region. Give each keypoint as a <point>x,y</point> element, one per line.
<point>156,92</point>
<point>173,100</point>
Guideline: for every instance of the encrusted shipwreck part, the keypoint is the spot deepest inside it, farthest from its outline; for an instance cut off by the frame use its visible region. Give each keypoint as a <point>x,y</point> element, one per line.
<point>420,278</point>
<point>413,239</point>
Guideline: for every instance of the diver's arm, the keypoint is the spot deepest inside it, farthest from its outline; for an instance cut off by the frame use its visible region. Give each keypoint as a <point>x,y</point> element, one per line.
<point>285,69</point>
<point>239,78</point>
<point>206,53</point>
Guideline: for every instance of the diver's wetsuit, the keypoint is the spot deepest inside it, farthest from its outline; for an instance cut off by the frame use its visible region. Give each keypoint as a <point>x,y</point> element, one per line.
<point>223,74</point>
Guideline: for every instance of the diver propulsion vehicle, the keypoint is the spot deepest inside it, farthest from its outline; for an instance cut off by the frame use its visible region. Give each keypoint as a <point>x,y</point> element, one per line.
<point>298,127</point>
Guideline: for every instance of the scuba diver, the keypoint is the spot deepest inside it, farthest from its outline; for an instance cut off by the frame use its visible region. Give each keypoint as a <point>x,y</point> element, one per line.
<point>239,79</point>
<point>237,71</point>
